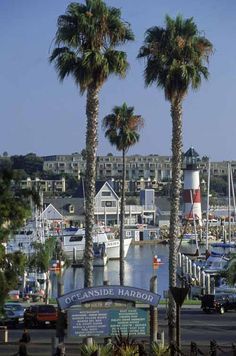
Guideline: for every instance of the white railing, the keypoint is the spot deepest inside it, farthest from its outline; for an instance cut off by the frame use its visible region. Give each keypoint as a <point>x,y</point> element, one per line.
<point>129,209</point>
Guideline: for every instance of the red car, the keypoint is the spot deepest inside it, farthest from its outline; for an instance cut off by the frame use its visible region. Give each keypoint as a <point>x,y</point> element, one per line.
<point>39,315</point>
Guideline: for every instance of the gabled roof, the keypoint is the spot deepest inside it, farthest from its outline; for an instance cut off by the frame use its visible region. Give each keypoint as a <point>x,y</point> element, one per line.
<point>62,205</point>
<point>51,213</point>
<point>80,193</point>
<point>102,184</point>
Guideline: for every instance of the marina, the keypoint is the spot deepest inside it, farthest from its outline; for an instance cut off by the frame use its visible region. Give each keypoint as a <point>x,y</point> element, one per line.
<point>139,268</point>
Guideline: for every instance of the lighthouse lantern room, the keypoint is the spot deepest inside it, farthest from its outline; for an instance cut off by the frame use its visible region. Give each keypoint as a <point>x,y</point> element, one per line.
<point>191,194</point>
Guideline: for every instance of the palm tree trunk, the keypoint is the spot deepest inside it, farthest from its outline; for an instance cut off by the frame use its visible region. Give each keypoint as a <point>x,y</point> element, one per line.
<point>176,114</point>
<point>90,174</point>
<point>47,288</point>
<point>122,220</point>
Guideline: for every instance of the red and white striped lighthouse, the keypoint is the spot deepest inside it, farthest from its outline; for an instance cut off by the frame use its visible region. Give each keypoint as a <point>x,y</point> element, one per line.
<point>192,195</point>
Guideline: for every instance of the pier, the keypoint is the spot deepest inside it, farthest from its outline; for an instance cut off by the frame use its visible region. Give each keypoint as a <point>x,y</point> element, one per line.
<point>191,274</point>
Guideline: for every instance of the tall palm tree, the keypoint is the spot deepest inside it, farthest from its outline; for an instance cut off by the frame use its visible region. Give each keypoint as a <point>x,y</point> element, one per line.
<point>85,49</point>
<point>122,127</point>
<point>176,58</point>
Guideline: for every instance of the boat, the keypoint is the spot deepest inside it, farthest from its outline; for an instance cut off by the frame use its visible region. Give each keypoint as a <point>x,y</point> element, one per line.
<point>23,239</point>
<point>74,244</point>
<point>224,244</point>
<point>100,257</point>
<point>189,238</point>
<point>216,264</point>
<point>157,261</point>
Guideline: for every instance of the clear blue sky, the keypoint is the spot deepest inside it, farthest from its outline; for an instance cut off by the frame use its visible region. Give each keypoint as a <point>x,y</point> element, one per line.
<point>41,115</point>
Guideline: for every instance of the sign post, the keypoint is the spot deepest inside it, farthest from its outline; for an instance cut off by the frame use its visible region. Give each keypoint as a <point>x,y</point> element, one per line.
<point>153,313</point>
<point>179,295</point>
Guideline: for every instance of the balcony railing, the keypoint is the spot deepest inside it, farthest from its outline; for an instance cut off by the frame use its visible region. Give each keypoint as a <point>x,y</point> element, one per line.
<point>129,209</point>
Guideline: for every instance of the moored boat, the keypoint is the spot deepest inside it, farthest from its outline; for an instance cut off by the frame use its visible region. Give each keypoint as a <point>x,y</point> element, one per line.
<point>74,244</point>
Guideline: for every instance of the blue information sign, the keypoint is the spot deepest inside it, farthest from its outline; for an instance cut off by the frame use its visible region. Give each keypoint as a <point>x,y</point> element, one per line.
<point>103,322</point>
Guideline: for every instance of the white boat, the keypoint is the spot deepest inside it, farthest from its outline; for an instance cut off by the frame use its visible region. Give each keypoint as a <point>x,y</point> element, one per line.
<point>189,238</point>
<point>23,239</point>
<point>216,264</point>
<point>74,244</point>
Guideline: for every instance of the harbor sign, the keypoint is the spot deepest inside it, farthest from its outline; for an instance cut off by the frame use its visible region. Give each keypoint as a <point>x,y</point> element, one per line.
<point>106,310</point>
<point>86,295</point>
<point>108,322</point>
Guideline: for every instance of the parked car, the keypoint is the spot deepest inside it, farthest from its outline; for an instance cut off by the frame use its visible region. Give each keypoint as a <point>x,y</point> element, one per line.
<point>219,303</point>
<point>10,318</point>
<point>40,314</point>
<point>17,308</point>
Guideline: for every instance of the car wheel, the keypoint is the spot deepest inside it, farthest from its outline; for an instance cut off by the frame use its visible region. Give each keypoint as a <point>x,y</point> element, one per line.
<point>222,310</point>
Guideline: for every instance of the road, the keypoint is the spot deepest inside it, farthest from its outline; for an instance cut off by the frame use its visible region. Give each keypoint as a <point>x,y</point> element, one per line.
<point>201,327</point>
<point>195,326</point>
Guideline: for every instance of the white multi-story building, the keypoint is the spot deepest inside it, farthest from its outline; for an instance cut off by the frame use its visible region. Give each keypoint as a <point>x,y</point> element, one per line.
<point>45,185</point>
<point>70,164</point>
<point>142,172</point>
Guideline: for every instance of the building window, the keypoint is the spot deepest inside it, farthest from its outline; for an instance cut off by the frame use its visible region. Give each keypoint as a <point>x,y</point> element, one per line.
<point>106,194</point>
<point>108,204</point>
<point>71,209</point>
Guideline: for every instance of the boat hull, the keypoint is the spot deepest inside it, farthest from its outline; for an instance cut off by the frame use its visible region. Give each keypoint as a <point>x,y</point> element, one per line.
<point>76,251</point>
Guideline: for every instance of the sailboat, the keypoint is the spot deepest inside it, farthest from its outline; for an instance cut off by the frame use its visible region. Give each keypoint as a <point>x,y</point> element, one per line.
<point>228,243</point>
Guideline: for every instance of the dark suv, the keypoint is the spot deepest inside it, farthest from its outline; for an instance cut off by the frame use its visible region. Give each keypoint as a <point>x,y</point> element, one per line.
<point>218,302</point>
<point>38,315</point>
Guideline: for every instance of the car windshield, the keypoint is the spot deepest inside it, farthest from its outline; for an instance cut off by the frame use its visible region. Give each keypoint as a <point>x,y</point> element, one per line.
<point>47,309</point>
<point>9,312</point>
<point>17,307</point>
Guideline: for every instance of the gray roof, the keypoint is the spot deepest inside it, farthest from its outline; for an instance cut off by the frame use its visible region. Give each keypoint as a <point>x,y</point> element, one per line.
<point>191,153</point>
<point>62,204</point>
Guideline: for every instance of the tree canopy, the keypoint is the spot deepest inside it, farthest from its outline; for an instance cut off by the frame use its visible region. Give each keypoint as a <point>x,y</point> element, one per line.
<point>14,209</point>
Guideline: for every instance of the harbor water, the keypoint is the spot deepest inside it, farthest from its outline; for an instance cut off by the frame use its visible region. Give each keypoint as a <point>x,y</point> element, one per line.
<point>139,269</point>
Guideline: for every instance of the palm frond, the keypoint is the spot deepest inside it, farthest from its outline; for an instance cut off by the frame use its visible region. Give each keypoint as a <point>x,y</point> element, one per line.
<point>85,40</point>
<point>122,127</point>
<point>175,56</point>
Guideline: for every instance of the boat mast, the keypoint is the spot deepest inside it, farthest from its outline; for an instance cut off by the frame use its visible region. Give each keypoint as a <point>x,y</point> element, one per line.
<point>207,208</point>
<point>194,222</point>
<point>229,201</point>
<point>233,193</point>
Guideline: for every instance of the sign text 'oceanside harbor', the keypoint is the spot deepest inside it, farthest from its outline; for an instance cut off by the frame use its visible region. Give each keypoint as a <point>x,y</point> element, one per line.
<point>108,292</point>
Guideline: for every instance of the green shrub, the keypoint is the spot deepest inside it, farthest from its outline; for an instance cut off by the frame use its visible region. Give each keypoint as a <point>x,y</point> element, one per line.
<point>88,350</point>
<point>158,350</point>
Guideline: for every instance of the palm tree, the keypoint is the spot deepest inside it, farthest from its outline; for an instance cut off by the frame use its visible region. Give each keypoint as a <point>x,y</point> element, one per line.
<point>122,128</point>
<point>175,61</point>
<point>85,49</point>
